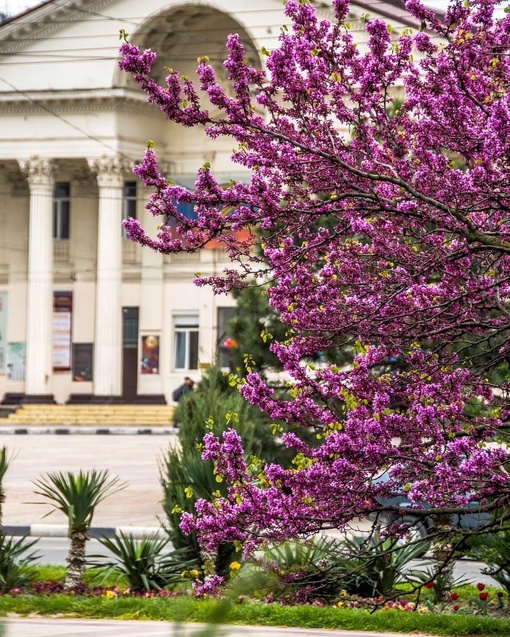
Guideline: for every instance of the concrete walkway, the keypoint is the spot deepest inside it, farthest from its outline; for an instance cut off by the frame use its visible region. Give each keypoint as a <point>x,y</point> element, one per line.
<point>133,458</point>
<point>97,628</point>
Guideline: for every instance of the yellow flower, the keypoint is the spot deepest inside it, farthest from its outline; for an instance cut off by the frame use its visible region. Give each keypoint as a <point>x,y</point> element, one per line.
<point>110,594</point>
<point>194,573</point>
<point>235,566</point>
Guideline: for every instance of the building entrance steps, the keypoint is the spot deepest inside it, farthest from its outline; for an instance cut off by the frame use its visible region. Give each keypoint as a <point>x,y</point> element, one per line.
<point>83,415</point>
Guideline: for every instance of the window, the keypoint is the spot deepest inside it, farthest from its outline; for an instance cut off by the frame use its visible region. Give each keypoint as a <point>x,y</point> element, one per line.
<point>187,209</point>
<point>225,342</point>
<point>61,210</point>
<point>186,341</point>
<point>128,202</point>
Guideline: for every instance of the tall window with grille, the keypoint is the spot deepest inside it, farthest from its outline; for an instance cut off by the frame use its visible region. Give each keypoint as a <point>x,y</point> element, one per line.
<point>61,210</point>
<point>186,342</point>
<point>128,203</point>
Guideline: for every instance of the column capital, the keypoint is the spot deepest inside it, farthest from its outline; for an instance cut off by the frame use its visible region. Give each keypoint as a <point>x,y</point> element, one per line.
<point>109,171</point>
<point>39,172</point>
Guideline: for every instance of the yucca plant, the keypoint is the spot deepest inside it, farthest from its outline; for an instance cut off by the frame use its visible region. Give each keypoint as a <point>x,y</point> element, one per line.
<point>16,570</point>
<point>5,462</point>
<point>304,570</point>
<point>144,563</point>
<point>77,496</point>
<point>378,566</point>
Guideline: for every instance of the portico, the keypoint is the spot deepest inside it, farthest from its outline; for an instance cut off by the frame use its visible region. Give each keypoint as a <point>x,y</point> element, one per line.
<point>85,315</point>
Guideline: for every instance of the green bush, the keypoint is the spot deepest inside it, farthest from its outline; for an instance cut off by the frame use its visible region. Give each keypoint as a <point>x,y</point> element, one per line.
<point>214,406</point>
<point>493,550</point>
<point>186,478</point>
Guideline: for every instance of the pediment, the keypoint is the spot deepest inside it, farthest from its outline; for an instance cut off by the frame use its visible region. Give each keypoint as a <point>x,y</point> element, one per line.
<point>50,17</point>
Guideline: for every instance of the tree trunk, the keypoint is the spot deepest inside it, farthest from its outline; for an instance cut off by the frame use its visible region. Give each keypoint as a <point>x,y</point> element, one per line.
<point>443,554</point>
<point>76,560</point>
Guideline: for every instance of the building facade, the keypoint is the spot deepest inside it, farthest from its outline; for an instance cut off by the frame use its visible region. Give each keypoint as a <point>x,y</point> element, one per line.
<point>84,313</point>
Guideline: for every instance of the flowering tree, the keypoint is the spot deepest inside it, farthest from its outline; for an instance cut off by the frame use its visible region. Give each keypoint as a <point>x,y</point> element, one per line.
<point>412,264</point>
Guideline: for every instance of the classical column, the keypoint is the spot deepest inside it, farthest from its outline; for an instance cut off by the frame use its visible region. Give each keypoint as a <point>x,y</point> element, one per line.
<point>40,280</point>
<point>108,328</point>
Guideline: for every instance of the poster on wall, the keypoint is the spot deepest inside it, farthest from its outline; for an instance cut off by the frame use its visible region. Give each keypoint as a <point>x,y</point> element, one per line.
<point>62,323</point>
<point>16,357</point>
<point>82,362</point>
<point>3,332</point>
<point>150,354</point>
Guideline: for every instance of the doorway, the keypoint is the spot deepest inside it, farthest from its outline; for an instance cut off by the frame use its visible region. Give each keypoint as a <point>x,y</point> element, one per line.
<point>129,353</point>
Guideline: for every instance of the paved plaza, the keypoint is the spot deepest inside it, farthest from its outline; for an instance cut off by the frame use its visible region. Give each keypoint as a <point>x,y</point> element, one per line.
<point>133,458</point>
<point>96,628</point>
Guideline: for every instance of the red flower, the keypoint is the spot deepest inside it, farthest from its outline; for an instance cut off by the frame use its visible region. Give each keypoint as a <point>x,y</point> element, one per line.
<point>454,596</point>
<point>429,585</point>
<point>500,594</point>
<point>480,586</point>
<point>483,596</point>
<point>456,607</point>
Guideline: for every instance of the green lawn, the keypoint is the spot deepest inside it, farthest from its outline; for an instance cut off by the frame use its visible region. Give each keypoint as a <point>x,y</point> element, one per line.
<point>190,609</point>
<point>187,609</point>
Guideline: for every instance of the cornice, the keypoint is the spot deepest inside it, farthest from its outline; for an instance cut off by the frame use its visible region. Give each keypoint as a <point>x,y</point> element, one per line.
<point>102,100</point>
<point>46,19</point>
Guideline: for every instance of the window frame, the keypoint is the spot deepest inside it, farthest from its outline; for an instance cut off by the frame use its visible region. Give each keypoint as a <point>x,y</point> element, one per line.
<point>129,203</point>
<point>61,210</point>
<point>187,325</point>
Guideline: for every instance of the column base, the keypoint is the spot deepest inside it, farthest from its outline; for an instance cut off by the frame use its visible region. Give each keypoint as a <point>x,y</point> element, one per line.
<point>149,399</point>
<point>11,398</point>
<point>91,399</point>
<point>38,399</point>
<point>106,400</point>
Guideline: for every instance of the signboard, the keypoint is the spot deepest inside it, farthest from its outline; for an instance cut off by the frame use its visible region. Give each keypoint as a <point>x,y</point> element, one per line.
<point>150,354</point>
<point>62,325</point>
<point>3,332</point>
<point>16,357</point>
<point>82,362</point>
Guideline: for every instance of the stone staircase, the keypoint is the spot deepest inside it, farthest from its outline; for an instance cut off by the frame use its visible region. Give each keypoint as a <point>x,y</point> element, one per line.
<point>97,415</point>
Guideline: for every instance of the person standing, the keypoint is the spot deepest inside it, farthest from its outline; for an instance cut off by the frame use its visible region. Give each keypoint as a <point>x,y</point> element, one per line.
<point>183,389</point>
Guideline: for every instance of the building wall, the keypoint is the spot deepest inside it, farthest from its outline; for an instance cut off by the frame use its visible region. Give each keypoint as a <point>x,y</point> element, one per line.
<point>71,106</point>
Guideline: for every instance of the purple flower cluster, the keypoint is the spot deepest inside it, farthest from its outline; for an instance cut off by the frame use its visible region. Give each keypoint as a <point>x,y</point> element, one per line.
<point>385,227</point>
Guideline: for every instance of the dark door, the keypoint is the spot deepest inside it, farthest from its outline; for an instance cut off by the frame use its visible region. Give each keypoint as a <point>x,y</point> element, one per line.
<point>129,353</point>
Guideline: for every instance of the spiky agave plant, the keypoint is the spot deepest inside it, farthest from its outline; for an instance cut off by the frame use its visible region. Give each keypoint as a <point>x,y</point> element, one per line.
<point>5,462</point>
<point>77,496</point>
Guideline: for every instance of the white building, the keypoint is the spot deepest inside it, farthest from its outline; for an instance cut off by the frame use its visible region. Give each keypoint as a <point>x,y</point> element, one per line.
<point>85,315</point>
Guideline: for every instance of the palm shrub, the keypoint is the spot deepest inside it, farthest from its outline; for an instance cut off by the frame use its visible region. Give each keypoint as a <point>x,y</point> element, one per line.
<point>77,496</point>
<point>143,563</point>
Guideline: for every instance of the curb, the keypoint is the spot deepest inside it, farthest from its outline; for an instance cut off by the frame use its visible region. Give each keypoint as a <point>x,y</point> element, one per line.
<point>104,431</point>
<point>61,530</point>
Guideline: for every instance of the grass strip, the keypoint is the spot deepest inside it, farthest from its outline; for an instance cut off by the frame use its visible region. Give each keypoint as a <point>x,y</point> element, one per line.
<point>186,609</point>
